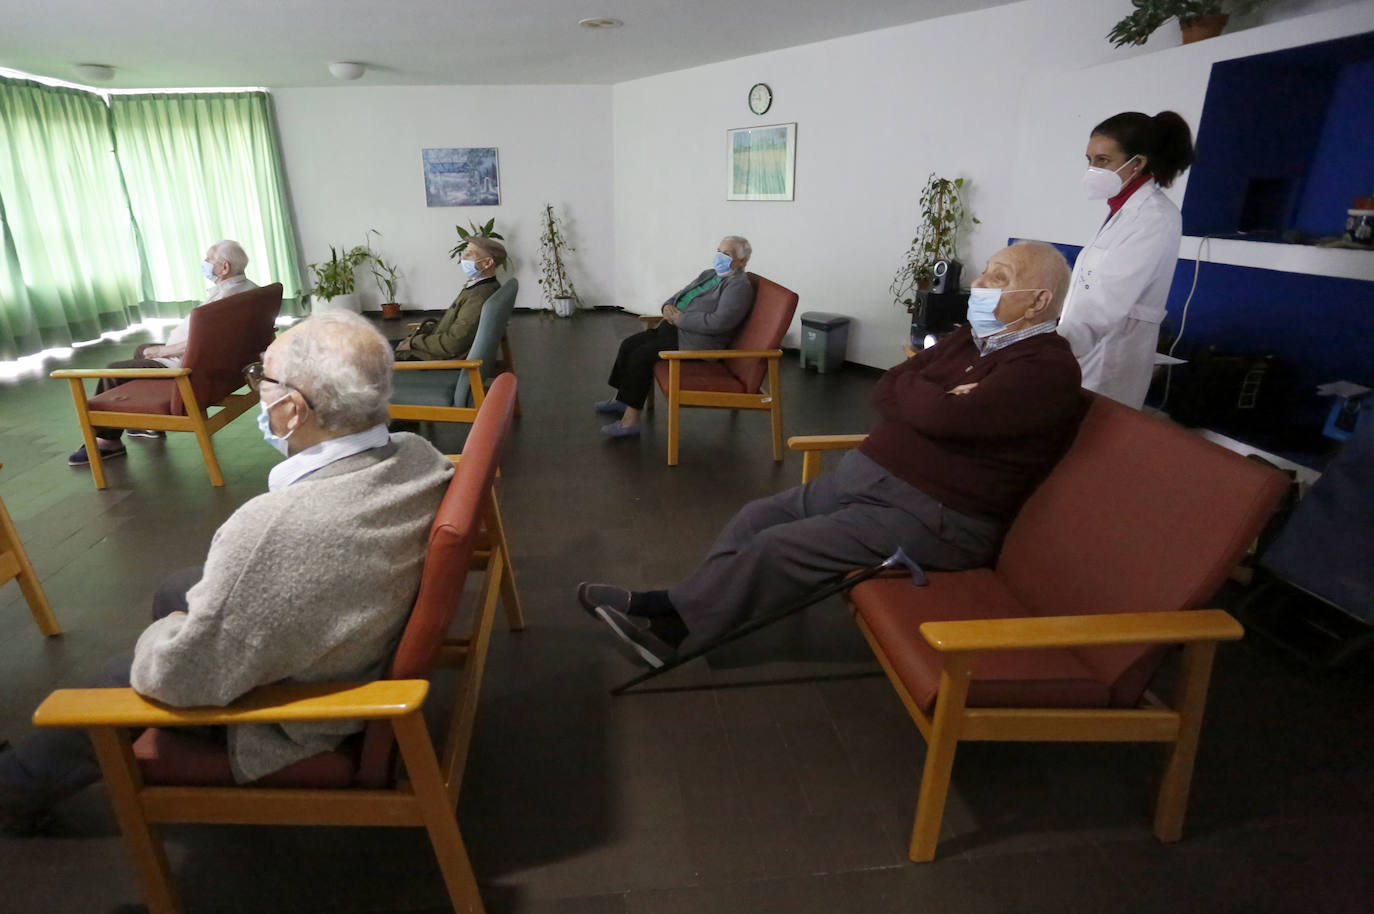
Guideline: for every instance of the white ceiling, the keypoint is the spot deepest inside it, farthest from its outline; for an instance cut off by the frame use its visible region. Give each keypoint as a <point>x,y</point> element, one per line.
<point>288,43</point>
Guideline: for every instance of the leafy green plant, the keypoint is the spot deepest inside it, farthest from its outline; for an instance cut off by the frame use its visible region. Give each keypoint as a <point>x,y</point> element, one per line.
<point>387,276</point>
<point>943,217</point>
<point>334,277</point>
<point>553,245</point>
<point>1149,15</point>
<point>465,236</point>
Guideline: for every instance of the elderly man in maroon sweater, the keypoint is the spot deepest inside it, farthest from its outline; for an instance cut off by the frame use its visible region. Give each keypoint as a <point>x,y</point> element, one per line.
<point>966,431</point>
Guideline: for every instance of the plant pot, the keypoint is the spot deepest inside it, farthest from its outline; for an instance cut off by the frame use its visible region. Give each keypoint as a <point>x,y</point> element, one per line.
<point>563,305</point>
<point>349,302</point>
<point>1203,26</point>
<point>391,310</point>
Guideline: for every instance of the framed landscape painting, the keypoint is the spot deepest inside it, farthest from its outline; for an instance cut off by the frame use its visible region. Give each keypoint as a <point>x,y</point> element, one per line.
<point>462,176</point>
<point>762,162</point>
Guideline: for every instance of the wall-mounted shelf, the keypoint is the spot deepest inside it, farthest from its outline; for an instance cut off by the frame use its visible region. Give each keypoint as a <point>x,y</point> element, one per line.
<point>1342,263</point>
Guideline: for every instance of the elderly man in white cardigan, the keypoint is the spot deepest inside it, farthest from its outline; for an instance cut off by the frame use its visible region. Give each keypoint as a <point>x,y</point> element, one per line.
<point>292,589</point>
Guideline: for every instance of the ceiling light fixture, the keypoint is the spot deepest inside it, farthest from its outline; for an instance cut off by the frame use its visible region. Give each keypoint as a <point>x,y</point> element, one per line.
<point>600,22</point>
<point>345,69</point>
<point>94,72</point>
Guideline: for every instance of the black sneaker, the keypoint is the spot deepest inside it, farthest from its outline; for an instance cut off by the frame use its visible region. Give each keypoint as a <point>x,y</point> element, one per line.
<point>593,595</point>
<point>146,433</point>
<point>78,457</point>
<point>635,631</point>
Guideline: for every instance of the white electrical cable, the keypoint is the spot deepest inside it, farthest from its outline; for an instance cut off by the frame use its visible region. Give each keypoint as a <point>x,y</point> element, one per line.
<point>1205,240</point>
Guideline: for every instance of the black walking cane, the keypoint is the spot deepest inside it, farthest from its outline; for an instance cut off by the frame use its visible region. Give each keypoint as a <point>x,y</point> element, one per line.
<point>898,558</point>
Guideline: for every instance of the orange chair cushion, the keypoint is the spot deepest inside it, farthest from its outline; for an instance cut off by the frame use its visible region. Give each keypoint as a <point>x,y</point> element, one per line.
<point>149,395</point>
<point>894,611</point>
<point>708,376</point>
<point>171,758</point>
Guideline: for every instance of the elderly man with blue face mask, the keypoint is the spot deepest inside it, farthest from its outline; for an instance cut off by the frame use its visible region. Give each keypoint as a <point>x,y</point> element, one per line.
<point>965,431</point>
<point>311,581</point>
<point>704,314</point>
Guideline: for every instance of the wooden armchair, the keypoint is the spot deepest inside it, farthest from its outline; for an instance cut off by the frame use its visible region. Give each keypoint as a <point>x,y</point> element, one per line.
<point>167,776</point>
<point>225,335</point>
<point>15,565</point>
<point>732,378</point>
<point>1099,574</point>
<point>440,390</point>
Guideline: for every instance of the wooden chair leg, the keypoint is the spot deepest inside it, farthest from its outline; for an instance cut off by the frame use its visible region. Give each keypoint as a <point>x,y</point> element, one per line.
<point>940,748</point>
<point>15,564</point>
<point>465,705</point>
<point>510,596</point>
<point>87,432</point>
<point>1172,804</point>
<point>674,420</point>
<point>811,465</point>
<point>438,813</point>
<point>123,782</point>
<point>207,451</point>
<point>775,408</point>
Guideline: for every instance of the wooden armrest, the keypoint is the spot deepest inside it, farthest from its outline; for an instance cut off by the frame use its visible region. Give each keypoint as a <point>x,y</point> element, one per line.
<point>439,363</point>
<point>125,373</point>
<point>824,442</point>
<point>721,354</point>
<point>1082,631</point>
<point>650,320</point>
<point>293,702</point>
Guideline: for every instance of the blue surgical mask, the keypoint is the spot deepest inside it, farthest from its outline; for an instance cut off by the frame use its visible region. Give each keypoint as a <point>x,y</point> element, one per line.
<point>207,269</point>
<point>265,426</point>
<point>721,263</point>
<point>982,308</point>
<point>470,268</point>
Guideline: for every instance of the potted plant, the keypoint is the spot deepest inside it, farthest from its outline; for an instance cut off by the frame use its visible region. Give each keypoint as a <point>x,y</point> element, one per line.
<point>1197,19</point>
<point>465,235</point>
<point>943,217</point>
<point>387,276</point>
<point>553,273</point>
<point>334,281</point>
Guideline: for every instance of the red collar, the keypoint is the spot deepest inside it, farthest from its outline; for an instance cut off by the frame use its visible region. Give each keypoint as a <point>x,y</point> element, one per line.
<point>1115,203</point>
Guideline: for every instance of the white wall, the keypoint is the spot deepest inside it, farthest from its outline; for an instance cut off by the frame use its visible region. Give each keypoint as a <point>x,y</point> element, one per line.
<point>353,163</point>
<point>1004,98</point>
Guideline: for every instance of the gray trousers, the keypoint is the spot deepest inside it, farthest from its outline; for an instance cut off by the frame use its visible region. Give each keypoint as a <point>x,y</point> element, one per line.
<point>780,548</point>
<point>50,765</point>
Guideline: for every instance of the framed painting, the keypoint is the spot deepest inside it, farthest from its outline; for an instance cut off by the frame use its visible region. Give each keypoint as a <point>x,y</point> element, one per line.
<point>762,162</point>
<point>462,176</point>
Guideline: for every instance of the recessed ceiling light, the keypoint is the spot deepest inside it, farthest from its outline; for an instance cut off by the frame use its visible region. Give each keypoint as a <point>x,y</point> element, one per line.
<point>600,22</point>
<point>95,72</point>
<point>344,69</point>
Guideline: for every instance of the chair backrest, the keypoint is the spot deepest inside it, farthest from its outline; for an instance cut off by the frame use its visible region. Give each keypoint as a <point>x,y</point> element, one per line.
<point>768,320</point>
<point>491,329</point>
<point>452,539</point>
<point>224,336</point>
<point>1140,515</point>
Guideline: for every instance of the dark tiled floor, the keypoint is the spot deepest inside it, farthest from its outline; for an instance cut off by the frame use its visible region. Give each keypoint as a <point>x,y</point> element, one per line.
<point>792,797</point>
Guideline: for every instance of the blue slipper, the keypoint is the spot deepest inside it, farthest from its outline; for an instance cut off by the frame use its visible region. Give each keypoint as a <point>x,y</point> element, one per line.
<point>616,430</point>
<point>78,457</point>
<point>610,407</point>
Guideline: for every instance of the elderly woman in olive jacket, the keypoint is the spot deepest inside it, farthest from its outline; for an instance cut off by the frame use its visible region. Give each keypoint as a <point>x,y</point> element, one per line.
<point>703,315</point>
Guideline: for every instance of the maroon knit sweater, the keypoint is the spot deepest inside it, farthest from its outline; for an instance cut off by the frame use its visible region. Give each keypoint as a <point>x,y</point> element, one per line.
<point>981,453</point>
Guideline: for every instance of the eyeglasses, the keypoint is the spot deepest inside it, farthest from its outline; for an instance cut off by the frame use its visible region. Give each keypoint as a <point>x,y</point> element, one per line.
<point>254,374</point>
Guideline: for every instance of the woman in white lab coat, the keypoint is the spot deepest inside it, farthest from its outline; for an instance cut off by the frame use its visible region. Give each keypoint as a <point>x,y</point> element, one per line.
<point>1121,280</point>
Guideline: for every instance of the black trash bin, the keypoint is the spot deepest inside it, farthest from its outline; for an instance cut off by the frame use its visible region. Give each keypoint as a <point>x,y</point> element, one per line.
<point>824,337</point>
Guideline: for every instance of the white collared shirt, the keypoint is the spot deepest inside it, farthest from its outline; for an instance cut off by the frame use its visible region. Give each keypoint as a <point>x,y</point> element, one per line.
<point>317,456</point>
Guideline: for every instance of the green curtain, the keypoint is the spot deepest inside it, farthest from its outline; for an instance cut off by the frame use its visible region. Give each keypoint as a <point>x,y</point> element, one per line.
<point>69,268</point>
<point>200,167</point>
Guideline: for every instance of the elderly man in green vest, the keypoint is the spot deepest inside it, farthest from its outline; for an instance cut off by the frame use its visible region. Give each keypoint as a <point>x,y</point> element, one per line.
<point>451,336</point>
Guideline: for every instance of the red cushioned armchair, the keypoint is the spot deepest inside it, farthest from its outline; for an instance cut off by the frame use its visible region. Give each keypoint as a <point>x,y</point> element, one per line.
<point>1101,571</point>
<point>389,776</point>
<point>224,336</point>
<point>731,378</point>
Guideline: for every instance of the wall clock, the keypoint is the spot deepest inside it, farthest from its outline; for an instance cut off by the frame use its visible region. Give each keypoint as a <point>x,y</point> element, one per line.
<point>760,98</point>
